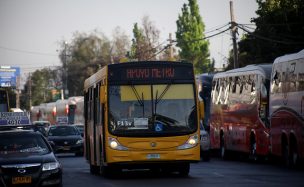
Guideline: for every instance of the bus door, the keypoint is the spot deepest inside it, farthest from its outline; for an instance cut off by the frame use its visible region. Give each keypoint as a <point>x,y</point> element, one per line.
<point>99,101</point>
<point>101,123</point>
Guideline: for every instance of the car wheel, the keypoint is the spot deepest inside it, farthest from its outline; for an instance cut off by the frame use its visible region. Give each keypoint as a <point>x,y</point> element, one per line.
<point>206,155</point>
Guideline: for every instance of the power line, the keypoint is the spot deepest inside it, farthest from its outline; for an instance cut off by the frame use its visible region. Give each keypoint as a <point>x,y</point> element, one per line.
<point>216,29</point>
<point>269,39</point>
<point>204,38</point>
<point>28,52</point>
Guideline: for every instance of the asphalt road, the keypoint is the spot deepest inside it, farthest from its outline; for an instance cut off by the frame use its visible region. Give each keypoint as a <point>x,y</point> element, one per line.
<point>216,172</point>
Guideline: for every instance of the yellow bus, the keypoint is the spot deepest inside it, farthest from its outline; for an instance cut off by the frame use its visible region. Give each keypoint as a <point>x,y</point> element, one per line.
<point>142,115</point>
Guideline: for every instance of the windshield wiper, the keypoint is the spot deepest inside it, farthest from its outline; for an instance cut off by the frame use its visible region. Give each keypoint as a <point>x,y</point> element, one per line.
<point>139,100</point>
<point>157,100</point>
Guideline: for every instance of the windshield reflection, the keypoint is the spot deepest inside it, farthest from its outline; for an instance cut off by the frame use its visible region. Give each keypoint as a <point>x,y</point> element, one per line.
<point>22,145</point>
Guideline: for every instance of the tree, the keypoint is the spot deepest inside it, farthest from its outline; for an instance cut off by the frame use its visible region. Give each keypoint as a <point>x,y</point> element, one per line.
<point>83,57</point>
<point>279,30</point>
<point>42,82</point>
<point>120,45</point>
<point>145,43</point>
<point>189,37</point>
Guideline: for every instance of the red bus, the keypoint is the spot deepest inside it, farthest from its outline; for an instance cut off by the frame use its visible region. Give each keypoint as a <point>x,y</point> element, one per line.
<point>239,111</point>
<point>287,108</point>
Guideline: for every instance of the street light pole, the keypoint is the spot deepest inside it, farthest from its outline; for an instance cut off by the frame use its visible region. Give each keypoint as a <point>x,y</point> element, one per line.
<point>64,91</point>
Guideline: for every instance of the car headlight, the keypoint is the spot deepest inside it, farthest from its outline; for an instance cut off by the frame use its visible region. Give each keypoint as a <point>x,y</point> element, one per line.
<point>79,141</point>
<point>50,166</point>
<point>191,142</point>
<point>114,144</point>
<point>204,137</point>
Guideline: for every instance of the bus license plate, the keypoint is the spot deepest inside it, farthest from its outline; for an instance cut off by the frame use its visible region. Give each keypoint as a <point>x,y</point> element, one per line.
<point>153,156</point>
<point>21,180</point>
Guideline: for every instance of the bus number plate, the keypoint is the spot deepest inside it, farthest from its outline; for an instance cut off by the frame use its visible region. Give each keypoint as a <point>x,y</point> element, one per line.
<point>153,156</point>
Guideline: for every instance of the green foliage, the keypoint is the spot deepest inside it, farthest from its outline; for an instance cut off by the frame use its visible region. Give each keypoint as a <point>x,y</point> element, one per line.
<point>145,42</point>
<point>189,34</point>
<point>41,83</point>
<point>137,42</point>
<point>279,30</point>
<point>84,56</point>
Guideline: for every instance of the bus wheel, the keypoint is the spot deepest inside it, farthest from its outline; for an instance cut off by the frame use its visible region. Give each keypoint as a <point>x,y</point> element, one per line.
<point>102,170</point>
<point>293,154</point>
<point>184,170</point>
<point>223,152</point>
<point>94,169</point>
<point>285,153</point>
<point>252,153</point>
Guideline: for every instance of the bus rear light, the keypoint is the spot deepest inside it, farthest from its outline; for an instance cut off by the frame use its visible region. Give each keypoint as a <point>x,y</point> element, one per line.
<point>114,144</point>
<point>191,142</point>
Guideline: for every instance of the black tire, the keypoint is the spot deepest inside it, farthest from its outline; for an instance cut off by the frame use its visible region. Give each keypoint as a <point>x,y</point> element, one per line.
<point>285,154</point>
<point>293,155</point>
<point>94,169</point>
<point>206,155</point>
<point>103,170</point>
<point>223,152</point>
<point>252,152</point>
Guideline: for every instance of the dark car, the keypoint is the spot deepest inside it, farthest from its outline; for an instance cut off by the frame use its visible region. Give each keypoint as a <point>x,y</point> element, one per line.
<point>41,126</point>
<point>27,159</point>
<point>80,127</point>
<point>66,139</point>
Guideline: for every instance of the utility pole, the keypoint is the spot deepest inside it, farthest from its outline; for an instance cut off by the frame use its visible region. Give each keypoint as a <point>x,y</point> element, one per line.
<point>171,48</point>
<point>233,33</point>
<point>64,91</point>
<point>30,91</point>
<point>17,92</point>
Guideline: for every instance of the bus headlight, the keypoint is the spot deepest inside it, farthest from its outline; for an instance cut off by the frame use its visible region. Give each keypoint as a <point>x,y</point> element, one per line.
<point>114,144</point>
<point>191,142</point>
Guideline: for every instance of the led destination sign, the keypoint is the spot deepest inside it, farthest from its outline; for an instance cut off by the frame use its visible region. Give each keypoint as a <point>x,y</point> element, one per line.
<point>160,73</point>
<point>149,72</point>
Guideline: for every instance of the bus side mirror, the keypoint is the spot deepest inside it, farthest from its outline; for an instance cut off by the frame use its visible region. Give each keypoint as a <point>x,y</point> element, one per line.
<point>263,93</point>
<point>202,109</point>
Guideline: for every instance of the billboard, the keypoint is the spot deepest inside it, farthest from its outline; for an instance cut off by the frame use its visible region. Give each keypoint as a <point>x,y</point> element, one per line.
<point>9,76</point>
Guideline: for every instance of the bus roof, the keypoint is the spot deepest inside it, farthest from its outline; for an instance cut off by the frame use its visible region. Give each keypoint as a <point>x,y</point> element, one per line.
<point>263,69</point>
<point>290,57</point>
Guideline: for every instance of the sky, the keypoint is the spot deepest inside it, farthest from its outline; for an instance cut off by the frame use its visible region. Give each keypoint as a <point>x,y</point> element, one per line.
<point>30,30</point>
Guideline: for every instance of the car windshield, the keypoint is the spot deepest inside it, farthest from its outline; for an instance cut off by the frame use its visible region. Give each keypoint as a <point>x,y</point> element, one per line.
<point>63,131</point>
<point>153,110</point>
<point>22,144</point>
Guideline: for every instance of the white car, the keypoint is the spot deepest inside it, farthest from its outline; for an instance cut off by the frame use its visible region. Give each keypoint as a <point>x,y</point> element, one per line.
<point>205,143</point>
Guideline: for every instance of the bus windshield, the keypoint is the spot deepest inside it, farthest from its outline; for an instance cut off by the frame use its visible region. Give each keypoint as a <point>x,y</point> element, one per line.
<point>152,110</point>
